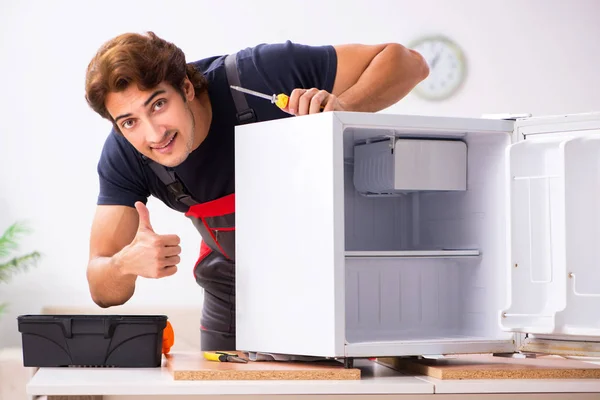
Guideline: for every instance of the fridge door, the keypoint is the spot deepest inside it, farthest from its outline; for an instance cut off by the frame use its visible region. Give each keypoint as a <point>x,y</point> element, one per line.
<point>553,198</point>
<point>289,243</point>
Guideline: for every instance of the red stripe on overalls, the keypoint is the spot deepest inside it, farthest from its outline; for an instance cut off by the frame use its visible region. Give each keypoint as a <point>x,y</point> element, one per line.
<point>215,208</point>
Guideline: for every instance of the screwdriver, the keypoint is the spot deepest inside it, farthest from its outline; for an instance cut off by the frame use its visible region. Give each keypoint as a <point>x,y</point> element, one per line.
<point>280,100</point>
<point>223,357</point>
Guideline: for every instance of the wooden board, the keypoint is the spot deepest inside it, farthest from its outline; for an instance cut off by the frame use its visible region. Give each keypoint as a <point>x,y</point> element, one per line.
<point>485,366</point>
<point>193,366</point>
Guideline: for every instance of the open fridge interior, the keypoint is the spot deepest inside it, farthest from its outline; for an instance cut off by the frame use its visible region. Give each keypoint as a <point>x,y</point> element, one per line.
<point>457,237</point>
<point>424,261</point>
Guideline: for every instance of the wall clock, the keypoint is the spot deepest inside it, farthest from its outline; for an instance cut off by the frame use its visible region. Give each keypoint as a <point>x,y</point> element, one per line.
<point>447,67</point>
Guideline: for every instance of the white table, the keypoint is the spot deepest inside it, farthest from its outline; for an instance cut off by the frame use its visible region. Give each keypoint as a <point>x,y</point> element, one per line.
<point>378,380</point>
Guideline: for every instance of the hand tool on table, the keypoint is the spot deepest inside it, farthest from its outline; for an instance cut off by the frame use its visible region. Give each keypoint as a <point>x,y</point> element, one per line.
<point>223,357</point>
<point>280,100</point>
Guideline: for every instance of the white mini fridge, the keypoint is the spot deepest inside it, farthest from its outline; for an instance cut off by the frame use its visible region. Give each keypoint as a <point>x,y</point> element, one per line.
<point>373,235</point>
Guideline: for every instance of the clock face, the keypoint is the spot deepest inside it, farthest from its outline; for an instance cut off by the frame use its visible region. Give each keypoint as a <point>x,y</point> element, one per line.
<point>447,68</point>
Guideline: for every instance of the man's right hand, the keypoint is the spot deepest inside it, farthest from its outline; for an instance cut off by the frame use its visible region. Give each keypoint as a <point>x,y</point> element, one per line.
<point>149,255</point>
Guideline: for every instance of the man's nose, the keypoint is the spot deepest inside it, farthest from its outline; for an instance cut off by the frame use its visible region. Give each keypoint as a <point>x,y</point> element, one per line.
<point>157,132</point>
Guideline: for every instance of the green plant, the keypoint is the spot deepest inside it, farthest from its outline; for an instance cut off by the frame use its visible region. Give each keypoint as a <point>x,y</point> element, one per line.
<point>9,244</point>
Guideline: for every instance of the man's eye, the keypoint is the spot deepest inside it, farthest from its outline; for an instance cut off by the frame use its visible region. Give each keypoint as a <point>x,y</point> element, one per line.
<point>159,104</point>
<point>127,124</point>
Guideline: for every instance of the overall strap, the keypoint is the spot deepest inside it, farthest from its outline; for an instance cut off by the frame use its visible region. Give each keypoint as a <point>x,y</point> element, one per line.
<point>168,178</point>
<point>245,114</point>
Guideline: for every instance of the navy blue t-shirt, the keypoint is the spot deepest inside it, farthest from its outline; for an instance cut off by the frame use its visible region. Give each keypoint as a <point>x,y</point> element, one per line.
<point>208,172</point>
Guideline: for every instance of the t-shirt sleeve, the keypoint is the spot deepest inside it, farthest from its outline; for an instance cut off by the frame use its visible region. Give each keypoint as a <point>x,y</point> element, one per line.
<point>120,175</point>
<point>287,66</point>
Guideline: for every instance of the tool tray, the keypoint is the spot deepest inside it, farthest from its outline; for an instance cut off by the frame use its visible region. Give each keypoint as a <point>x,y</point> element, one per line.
<point>92,340</point>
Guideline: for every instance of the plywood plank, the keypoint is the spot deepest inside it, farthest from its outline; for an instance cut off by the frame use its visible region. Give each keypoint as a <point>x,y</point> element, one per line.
<point>193,366</point>
<point>485,366</point>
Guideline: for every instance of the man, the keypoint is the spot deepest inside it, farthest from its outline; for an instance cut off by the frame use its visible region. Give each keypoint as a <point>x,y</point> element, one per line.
<point>172,137</point>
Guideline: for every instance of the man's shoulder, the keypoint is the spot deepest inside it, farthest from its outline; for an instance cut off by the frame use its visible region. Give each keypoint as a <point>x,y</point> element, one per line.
<point>267,53</point>
<point>287,47</point>
<point>286,66</point>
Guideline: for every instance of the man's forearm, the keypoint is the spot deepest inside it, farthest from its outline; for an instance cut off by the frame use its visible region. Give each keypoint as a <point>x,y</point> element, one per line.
<point>389,77</point>
<point>108,285</point>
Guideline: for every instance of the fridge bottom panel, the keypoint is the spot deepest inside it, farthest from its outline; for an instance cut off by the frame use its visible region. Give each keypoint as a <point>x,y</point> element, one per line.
<point>567,332</point>
<point>417,347</point>
<point>571,347</point>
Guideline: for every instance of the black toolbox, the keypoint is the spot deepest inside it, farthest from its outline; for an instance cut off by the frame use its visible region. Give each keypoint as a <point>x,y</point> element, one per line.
<point>133,341</point>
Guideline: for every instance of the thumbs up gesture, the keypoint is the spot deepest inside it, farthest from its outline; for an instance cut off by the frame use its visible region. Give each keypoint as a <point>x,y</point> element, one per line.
<point>151,255</point>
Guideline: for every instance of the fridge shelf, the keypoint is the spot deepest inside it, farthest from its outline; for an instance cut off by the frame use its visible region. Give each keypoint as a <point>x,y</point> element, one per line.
<point>414,254</point>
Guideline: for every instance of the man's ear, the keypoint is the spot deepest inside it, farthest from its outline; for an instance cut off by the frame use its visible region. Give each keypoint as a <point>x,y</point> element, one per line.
<point>188,89</point>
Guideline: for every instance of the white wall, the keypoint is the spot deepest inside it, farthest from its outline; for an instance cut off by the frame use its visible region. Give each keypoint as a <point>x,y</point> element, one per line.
<point>537,56</point>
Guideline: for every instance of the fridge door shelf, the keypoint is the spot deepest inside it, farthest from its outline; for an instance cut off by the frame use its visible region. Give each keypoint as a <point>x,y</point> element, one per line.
<point>554,281</point>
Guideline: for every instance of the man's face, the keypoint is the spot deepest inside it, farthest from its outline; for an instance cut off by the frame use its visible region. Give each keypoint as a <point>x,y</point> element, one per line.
<point>157,122</point>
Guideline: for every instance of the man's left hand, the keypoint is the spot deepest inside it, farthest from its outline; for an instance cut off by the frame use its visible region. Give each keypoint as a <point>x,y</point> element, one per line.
<point>312,101</point>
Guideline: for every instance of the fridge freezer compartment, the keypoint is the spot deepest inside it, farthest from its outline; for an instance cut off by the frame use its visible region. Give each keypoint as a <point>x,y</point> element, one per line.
<point>92,340</point>
<point>407,165</point>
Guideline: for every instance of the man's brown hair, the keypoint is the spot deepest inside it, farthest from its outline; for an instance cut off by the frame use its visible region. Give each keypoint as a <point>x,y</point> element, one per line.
<point>144,60</point>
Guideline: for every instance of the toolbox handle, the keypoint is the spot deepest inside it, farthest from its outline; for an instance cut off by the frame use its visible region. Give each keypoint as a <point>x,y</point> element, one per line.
<point>109,327</point>
<point>110,324</point>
